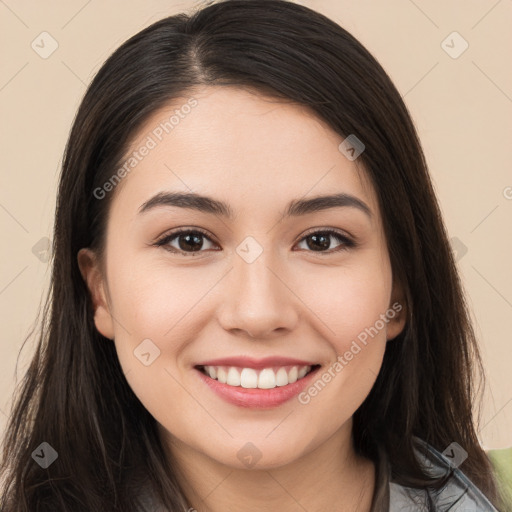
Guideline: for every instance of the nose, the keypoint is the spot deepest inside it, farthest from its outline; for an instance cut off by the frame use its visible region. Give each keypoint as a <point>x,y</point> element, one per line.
<point>258,300</point>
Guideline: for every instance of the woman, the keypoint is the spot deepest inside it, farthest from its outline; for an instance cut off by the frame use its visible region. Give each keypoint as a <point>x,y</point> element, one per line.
<point>254,304</point>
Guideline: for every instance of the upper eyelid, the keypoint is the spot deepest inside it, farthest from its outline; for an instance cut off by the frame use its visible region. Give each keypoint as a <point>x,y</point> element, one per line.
<point>181,231</point>
<point>332,231</point>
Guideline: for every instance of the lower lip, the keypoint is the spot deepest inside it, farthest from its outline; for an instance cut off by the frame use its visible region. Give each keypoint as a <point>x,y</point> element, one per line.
<point>254,397</point>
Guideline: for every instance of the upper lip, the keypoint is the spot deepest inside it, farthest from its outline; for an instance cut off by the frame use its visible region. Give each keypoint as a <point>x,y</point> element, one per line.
<point>249,362</point>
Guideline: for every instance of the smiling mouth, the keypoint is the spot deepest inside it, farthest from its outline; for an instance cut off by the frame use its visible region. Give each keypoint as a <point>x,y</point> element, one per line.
<point>250,378</point>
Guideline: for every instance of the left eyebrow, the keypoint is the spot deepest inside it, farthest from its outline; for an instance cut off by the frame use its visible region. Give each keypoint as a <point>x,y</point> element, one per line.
<point>316,204</point>
<point>294,208</point>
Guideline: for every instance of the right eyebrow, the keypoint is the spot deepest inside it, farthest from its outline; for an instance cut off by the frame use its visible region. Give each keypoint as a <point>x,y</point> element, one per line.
<point>188,200</point>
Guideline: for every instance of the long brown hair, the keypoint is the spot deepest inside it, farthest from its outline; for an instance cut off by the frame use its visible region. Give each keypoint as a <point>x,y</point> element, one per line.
<point>75,396</point>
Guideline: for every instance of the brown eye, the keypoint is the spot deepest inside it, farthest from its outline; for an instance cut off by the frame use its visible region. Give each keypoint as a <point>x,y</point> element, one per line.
<point>190,242</point>
<point>320,241</point>
<point>185,241</point>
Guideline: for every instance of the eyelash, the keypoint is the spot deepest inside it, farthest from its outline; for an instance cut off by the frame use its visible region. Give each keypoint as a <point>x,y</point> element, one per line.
<point>346,243</point>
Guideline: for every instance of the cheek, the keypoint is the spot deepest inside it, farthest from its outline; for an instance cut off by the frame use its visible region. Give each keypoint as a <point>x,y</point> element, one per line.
<point>347,301</point>
<point>153,299</point>
<point>160,311</point>
<point>165,305</point>
<point>350,307</point>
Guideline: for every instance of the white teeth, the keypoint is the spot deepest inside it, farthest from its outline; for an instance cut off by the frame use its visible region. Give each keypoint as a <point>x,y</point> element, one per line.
<point>222,375</point>
<point>268,378</point>
<point>302,372</point>
<point>281,377</point>
<point>233,377</point>
<point>249,378</point>
<point>293,375</point>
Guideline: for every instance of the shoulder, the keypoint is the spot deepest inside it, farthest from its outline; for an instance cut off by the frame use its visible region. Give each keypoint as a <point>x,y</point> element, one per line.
<point>458,494</point>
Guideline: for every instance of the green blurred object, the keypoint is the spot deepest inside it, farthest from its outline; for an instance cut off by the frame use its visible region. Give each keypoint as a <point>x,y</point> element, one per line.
<point>502,463</point>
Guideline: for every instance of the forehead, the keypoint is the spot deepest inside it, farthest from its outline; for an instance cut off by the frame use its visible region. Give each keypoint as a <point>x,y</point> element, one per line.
<point>240,146</point>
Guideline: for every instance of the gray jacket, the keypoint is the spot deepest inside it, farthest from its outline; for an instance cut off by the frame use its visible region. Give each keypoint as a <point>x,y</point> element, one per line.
<point>459,494</point>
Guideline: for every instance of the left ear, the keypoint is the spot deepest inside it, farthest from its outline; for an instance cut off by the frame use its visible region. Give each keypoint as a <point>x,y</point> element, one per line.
<point>398,306</point>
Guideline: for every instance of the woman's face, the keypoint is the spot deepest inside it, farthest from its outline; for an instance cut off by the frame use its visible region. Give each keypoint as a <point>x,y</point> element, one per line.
<point>261,280</point>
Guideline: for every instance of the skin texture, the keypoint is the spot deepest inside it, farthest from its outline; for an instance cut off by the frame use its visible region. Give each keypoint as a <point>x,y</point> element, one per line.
<point>256,154</point>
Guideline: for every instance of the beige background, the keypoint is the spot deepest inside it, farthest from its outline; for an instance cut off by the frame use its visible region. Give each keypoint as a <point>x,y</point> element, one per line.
<point>462,107</point>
